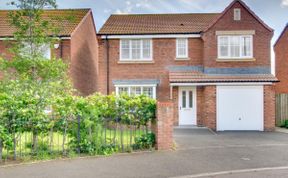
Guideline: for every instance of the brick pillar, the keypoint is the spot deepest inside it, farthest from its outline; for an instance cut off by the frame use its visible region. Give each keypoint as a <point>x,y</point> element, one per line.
<point>269,108</point>
<point>163,128</point>
<point>209,109</point>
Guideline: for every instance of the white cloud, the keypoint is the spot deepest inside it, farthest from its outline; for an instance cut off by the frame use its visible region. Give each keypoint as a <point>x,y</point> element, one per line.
<point>285,3</point>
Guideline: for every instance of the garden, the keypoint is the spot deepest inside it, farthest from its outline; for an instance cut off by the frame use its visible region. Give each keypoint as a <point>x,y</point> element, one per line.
<point>42,116</point>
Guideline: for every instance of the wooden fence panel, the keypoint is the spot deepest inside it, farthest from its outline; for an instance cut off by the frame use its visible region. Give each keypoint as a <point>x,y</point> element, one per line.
<point>281,108</point>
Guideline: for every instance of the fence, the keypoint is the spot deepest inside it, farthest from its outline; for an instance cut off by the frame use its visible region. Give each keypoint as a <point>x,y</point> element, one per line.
<point>281,108</point>
<point>76,137</point>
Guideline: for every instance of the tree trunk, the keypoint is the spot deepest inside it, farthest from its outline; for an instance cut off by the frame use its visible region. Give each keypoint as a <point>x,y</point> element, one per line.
<point>35,141</point>
<point>64,140</point>
<point>1,149</point>
<point>14,147</point>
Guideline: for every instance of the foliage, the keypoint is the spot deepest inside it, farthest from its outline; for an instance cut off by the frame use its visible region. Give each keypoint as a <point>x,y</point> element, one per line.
<point>284,124</point>
<point>146,141</point>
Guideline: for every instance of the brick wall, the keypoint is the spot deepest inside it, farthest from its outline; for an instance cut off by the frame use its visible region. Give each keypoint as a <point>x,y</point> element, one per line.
<point>209,107</point>
<point>164,54</point>
<point>281,59</point>
<point>269,107</point>
<point>84,56</point>
<point>163,128</point>
<point>261,39</point>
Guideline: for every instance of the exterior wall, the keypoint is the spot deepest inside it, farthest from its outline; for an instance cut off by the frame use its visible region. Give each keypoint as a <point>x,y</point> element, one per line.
<point>164,55</point>
<point>209,107</point>
<point>261,40</point>
<point>269,108</point>
<point>281,59</point>
<point>84,56</point>
<point>63,51</point>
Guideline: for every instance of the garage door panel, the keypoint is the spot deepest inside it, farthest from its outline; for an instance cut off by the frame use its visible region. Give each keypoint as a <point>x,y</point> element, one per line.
<point>240,108</point>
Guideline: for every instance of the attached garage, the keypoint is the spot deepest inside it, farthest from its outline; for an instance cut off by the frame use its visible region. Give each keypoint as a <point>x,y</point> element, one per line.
<point>240,108</point>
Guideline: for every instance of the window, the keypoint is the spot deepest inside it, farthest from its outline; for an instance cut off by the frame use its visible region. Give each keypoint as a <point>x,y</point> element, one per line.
<point>237,14</point>
<point>190,99</point>
<point>137,90</point>
<point>182,48</point>
<point>235,47</point>
<point>43,50</point>
<point>138,49</point>
<point>183,99</point>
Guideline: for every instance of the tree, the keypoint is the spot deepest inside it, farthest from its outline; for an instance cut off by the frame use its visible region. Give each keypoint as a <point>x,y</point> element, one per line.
<point>31,82</point>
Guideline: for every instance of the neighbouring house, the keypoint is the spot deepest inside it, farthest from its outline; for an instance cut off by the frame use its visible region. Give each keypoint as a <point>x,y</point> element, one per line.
<point>281,61</point>
<point>77,44</point>
<point>215,67</point>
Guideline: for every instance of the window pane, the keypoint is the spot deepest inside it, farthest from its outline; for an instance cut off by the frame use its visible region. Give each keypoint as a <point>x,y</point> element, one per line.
<point>224,46</point>
<point>246,46</point>
<point>146,49</point>
<point>235,46</point>
<point>135,91</point>
<point>182,47</point>
<point>148,91</point>
<point>190,99</point>
<point>125,49</point>
<point>183,99</point>
<point>122,90</point>
<point>136,49</point>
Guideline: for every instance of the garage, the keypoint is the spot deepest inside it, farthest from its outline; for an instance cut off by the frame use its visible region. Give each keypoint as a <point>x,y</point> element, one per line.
<point>240,108</point>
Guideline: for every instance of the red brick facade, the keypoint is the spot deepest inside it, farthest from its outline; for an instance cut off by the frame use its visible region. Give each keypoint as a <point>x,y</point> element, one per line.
<point>202,52</point>
<point>281,59</point>
<point>269,107</point>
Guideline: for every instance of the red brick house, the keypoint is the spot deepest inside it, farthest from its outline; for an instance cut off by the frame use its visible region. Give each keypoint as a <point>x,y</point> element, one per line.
<point>281,59</point>
<point>77,44</point>
<point>216,68</point>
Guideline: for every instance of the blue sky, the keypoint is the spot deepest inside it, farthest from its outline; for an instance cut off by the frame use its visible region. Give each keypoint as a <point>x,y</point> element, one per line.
<point>273,12</point>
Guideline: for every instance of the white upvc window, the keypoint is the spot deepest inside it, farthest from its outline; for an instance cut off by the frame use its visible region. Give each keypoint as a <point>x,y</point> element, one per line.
<point>237,14</point>
<point>135,50</point>
<point>181,48</point>
<point>235,47</point>
<point>44,50</point>
<point>136,90</point>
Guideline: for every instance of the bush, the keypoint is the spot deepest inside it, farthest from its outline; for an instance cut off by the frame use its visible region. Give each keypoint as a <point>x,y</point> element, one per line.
<point>145,141</point>
<point>284,124</point>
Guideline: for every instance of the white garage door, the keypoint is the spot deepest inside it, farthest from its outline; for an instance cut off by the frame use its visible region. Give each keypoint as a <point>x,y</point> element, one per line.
<point>240,108</point>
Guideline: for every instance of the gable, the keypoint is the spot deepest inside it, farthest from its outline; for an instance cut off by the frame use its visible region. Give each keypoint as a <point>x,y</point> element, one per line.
<point>248,18</point>
<point>283,38</point>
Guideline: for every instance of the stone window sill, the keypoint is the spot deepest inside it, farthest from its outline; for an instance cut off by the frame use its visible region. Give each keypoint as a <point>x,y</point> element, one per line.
<point>136,62</point>
<point>182,59</point>
<point>236,60</point>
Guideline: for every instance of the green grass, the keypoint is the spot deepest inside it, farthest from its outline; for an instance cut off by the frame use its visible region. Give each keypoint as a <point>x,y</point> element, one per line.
<point>50,146</point>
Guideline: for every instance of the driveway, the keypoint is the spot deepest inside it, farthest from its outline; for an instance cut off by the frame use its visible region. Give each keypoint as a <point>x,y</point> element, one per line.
<point>200,153</point>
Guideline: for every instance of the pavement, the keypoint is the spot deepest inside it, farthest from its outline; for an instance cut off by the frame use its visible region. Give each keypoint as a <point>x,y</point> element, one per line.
<point>199,153</point>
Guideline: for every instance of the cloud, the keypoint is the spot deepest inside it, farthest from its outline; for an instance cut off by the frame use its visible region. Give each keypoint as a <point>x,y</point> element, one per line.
<point>285,3</point>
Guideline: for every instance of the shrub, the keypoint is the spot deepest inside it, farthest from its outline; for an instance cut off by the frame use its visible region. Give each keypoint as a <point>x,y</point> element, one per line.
<point>145,141</point>
<point>284,124</point>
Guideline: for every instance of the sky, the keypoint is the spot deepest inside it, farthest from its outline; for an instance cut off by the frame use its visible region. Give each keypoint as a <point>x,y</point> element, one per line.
<point>272,12</point>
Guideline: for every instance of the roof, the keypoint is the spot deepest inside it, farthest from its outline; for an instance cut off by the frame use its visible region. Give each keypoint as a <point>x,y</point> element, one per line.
<point>75,16</point>
<point>247,8</point>
<point>157,23</point>
<point>282,33</point>
<point>196,77</point>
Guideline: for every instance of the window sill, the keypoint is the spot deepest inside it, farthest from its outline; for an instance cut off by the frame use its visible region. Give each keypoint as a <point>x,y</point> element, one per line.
<point>236,60</point>
<point>136,62</point>
<point>182,59</point>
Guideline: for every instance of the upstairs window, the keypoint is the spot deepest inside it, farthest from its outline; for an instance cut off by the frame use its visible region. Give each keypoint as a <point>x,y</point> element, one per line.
<point>182,48</point>
<point>235,47</point>
<point>133,50</point>
<point>237,14</point>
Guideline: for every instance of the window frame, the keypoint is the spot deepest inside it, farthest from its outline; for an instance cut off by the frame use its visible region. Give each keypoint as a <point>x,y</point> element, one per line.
<point>141,50</point>
<point>141,86</point>
<point>241,56</point>
<point>237,11</point>
<point>186,50</point>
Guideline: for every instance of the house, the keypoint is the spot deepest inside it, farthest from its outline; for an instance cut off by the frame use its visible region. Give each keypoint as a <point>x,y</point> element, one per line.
<point>215,67</point>
<point>77,44</point>
<point>281,60</point>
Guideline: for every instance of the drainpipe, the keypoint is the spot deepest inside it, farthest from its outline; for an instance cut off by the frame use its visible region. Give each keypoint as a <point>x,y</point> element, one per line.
<point>107,63</point>
<point>61,49</point>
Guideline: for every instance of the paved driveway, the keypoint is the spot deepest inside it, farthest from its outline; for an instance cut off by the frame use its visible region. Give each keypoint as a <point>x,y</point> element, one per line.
<point>199,152</point>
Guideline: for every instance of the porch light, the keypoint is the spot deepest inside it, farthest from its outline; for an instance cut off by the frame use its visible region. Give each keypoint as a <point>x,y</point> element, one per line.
<point>56,45</point>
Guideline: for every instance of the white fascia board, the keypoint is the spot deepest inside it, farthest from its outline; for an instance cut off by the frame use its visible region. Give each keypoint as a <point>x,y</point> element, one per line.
<point>222,84</point>
<point>9,38</point>
<point>137,85</point>
<point>150,36</point>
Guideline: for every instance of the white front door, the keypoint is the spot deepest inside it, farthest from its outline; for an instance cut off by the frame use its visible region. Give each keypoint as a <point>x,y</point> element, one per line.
<point>187,106</point>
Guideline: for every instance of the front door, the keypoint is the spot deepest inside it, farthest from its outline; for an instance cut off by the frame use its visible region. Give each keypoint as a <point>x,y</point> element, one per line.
<point>187,106</point>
